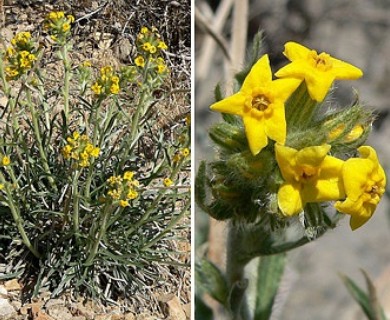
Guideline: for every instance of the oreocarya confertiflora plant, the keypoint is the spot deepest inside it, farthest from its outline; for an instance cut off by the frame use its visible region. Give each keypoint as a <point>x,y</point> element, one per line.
<point>288,166</point>
<point>84,205</point>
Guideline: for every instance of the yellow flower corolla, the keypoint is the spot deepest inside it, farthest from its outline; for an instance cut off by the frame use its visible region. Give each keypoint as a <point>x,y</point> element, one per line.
<point>310,175</point>
<point>96,88</point>
<point>364,183</point>
<point>162,45</point>
<point>128,175</point>
<point>5,161</point>
<point>139,61</point>
<point>260,103</point>
<point>123,203</point>
<point>167,182</point>
<point>318,70</point>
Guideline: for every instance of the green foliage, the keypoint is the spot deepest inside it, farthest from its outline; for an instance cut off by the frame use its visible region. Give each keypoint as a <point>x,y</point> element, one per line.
<point>367,301</point>
<point>269,273</point>
<point>82,202</point>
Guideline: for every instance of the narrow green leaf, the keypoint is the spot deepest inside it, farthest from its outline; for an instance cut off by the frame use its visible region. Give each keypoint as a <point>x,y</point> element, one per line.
<point>368,302</point>
<point>270,271</point>
<point>209,278</point>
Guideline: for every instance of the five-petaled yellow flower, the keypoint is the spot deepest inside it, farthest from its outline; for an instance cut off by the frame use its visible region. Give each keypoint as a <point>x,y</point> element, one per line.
<point>364,183</point>
<point>310,175</point>
<point>260,103</point>
<point>318,70</point>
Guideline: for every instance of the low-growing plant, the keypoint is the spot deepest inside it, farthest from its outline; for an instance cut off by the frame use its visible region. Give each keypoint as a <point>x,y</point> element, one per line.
<point>94,191</point>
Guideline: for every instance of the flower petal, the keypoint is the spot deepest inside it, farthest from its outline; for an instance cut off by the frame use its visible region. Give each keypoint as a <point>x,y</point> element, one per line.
<point>345,71</point>
<point>318,84</point>
<point>313,156</point>
<point>283,88</point>
<point>260,75</point>
<point>275,128</point>
<point>233,104</point>
<point>297,69</point>
<point>295,51</point>
<point>289,199</point>
<point>355,175</point>
<point>254,129</point>
<point>285,156</point>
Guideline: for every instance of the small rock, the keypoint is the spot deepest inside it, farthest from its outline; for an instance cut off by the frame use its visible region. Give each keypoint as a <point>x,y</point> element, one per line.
<point>187,310</point>
<point>3,291</point>
<point>7,311</point>
<point>117,317</point>
<point>60,313</point>
<point>83,311</point>
<point>103,317</point>
<point>129,316</point>
<point>42,316</point>
<point>54,303</point>
<point>12,285</point>
<point>16,304</point>
<point>172,305</point>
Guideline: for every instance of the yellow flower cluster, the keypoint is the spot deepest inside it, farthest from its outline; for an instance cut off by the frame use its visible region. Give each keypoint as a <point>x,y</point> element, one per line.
<point>150,46</point>
<point>122,188</point>
<point>20,56</point>
<point>79,148</point>
<point>58,25</point>
<point>310,173</point>
<point>181,155</point>
<point>107,83</point>
<point>167,182</point>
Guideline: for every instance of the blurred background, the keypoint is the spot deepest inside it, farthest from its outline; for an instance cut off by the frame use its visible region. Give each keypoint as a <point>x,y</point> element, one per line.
<point>358,32</point>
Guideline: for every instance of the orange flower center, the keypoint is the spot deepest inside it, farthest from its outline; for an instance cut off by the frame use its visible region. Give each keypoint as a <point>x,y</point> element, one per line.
<point>260,102</point>
<point>306,173</point>
<point>320,61</point>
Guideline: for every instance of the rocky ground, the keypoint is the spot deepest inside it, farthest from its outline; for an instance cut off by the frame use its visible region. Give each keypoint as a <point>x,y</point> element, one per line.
<point>104,33</point>
<point>357,31</point>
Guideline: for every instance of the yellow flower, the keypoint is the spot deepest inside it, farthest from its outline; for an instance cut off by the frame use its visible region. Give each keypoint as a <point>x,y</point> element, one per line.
<point>128,175</point>
<point>310,176</point>
<point>318,70</point>
<point>96,88</point>
<point>70,18</point>
<point>86,63</point>
<point>114,89</point>
<point>132,194</point>
<point>115,79</point>
<point>161,68</point>
<point>161,45</point>
<point>65,27</point>
<point>144,30</point>
<point>260,103</point>
<point>146,46</point>
<point>95,152</point>
<point>167,182</point>
<point>1,186</point>
<point>185,152</point>
<point>152,49</point>
<point>139,61</point>
<point>364,183</point>
<point>123,203</point>
<point>5,161</point>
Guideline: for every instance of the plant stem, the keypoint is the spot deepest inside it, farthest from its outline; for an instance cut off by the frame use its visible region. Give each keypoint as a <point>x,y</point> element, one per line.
<point>17,218</point>
<point>75,209</point>
<point>38,138</point>
<point>67,76</point>
<point>101,233</point>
